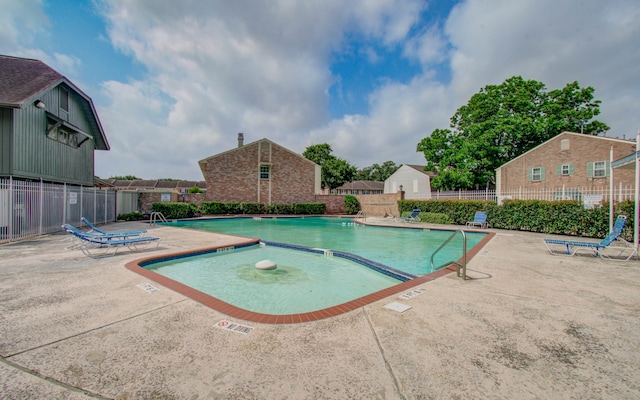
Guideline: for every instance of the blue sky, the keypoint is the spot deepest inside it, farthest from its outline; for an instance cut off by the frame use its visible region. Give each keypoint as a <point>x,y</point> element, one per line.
<point>174,82</point>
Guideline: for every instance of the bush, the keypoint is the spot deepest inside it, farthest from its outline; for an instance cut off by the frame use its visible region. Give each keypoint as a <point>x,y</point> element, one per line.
<point>351,204</point>
<point>280,208</point>
<point>132,216</point>
<point>175,210</point>
<point>435,218</point>
<point>195,189</point>
<point>565,217</point>
<point>213,207</point>
<point>253,208</point>
<point>309,208</point>
<point>232,208</point>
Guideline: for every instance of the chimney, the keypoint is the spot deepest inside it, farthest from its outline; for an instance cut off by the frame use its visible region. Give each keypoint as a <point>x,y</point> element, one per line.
<point>240,139</point>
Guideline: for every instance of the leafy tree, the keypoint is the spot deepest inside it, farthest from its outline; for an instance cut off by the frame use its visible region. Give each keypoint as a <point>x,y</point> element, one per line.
<point>378,172</point>
<point>125,178</point>
<point>502,122</point>
<point>335,171</point>
<point>195,189</point>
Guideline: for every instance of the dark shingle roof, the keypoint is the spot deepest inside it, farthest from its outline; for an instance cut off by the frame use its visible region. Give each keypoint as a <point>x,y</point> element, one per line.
<point>362,185</point>
<point>22,78</point>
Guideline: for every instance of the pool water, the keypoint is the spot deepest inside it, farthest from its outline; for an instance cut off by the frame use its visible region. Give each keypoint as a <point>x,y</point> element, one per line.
<point>303,281</point>
<point>407,250</point>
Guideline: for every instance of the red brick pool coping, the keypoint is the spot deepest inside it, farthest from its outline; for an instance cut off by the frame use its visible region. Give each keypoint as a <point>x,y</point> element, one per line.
<point>239,313</point>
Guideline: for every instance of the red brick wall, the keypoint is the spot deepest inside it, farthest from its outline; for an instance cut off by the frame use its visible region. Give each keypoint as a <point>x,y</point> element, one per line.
<point>582,149</point>
<point>235,175</point>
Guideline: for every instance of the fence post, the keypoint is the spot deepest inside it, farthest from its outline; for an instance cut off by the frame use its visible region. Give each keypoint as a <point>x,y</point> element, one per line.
<point>41,207</point>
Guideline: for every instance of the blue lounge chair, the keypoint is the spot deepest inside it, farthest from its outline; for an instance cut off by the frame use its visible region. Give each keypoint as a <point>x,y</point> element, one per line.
<point>90,242</point>
<point>96,230</point>
<point>479,220</point>
<point>571,247</point>
<point>413,217</point>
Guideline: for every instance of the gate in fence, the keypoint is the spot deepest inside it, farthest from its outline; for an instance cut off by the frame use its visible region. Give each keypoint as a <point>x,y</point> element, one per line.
<point>29,208</point>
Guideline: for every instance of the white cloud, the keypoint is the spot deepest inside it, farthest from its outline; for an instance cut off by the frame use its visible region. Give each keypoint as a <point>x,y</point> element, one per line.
<point>226,67</point>
<point>216,68</point>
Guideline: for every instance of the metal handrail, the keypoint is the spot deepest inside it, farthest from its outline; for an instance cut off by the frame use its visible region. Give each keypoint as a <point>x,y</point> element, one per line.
<point>462,266</point>
<point>155,217</point>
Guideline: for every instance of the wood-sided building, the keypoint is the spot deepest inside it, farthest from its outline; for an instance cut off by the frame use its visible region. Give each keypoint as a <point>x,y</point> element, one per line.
<point>49,128</point>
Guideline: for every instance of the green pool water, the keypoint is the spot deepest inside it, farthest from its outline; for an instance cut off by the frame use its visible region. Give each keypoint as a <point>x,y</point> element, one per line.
<point>407,250</point>
<point>302,281</point>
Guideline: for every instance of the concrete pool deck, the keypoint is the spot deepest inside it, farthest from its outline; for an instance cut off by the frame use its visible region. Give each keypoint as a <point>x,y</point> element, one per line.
<point>529,326</point>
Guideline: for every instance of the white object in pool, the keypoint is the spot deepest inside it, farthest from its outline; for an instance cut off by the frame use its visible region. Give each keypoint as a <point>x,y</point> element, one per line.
<point>265,265</point>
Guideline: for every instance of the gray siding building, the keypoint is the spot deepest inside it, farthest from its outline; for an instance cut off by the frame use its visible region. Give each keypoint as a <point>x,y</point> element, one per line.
<point>49,128</point>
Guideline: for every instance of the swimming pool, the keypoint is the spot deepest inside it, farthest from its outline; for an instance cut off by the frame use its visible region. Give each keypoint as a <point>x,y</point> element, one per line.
<point>303,281</point>
<point>386,248</point>
<point>405,249</point>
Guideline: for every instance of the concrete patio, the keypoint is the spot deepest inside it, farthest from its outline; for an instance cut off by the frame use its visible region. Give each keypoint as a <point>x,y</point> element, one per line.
<point>529,326</point>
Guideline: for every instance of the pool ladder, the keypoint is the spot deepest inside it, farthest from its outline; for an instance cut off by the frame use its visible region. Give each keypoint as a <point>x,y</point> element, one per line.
<point>361,214</point>
<point>459,266</point>
<point>156,217</point>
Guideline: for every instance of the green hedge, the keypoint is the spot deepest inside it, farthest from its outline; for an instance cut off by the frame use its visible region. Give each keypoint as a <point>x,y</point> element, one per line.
<point>552,217</point>
<point>351,204</point>
<point>175,210</point>
<point>309,208</point>
<point>189,210</point>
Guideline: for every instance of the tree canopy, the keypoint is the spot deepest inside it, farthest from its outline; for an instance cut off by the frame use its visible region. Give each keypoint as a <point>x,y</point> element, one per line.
<point>378,172</point>
<point>502,122</point>
<point>335,170</point>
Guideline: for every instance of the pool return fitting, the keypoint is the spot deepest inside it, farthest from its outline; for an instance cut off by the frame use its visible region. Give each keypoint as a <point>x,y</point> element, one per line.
<point>459,266</point>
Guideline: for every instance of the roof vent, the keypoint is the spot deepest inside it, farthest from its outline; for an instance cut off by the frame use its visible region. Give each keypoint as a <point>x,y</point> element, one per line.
<point>240,139</point>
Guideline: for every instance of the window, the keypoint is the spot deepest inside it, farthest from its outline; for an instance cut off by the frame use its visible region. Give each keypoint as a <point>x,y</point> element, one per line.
<point>264,172</point>
<point>598,169</point>
<point>535,174</point>
<point>64,99</point>
<point>564,169</point>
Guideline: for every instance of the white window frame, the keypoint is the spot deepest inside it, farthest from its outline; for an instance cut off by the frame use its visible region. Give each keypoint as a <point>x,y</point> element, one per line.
<point>599,169</point>
<point>536,171</point>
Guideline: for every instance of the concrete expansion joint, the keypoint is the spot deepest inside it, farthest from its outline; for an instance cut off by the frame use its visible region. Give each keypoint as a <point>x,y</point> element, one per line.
<point>93,329</point>
<point>53,381</point>
<point>387,365</point>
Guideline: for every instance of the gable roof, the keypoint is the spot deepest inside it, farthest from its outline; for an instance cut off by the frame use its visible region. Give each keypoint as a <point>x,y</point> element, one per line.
<point>21,79</point>
<point>362,185</point>
<point>566,133</point>
<point>420,168</point>
<point>204,161</point>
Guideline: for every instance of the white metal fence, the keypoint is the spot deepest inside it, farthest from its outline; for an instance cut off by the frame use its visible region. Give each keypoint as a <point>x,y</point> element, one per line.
<point>620,193</point>
<point>35,208</point>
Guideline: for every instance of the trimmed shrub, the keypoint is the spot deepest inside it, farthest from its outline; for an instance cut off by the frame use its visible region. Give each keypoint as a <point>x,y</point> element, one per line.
<point>280,208</point>
<point>309,208</point>
<point>253,208</point>
<point>213,207</point>
<point>132,216</point>
<point>175,210</point>
<point>566,217</point>
<point>351,204</point>
<point>435,218</point>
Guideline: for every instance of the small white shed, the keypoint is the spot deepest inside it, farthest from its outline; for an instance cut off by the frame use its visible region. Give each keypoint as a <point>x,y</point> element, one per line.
<point>413,179</point>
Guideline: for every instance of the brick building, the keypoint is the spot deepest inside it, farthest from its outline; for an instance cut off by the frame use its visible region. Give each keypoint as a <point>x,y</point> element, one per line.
<point>262,171</point>
<point>572,160</point>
